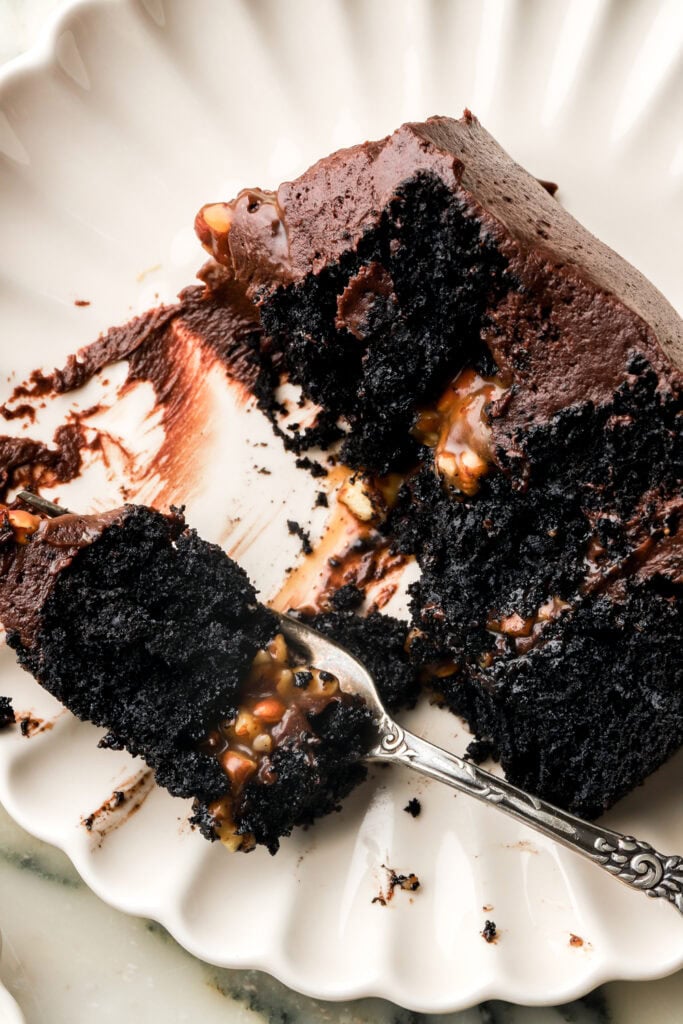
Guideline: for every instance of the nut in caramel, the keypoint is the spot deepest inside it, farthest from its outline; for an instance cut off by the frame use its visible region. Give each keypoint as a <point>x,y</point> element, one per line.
<point>22,523</point>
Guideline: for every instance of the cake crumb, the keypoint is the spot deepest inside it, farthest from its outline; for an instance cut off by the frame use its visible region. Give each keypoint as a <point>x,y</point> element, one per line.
<point>7,716</point>
<point>347,598</point>
<point>30,726</point>
<point>413,807</point>
<point>490,932</point>
<point>298,531</point>
<point>551,187</point>
<point>313,467</point>
<point>575,940</point>
<point>481,750</point>
<point>409,883</point>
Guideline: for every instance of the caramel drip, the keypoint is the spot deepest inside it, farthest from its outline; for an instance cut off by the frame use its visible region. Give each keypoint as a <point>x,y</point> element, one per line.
<point>351,551</point>
<point>654,548</point>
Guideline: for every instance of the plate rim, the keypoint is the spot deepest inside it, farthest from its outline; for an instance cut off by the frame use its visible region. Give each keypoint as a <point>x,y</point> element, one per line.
<point>589,979</point>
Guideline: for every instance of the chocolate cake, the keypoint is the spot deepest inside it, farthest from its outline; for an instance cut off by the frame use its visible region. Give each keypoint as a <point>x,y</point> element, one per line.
<point>137,624</point>
<point>459,331</point>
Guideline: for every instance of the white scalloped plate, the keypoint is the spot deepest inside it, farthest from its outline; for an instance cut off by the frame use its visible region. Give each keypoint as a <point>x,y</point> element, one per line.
<point>112,133</point>
<point>9,1011</point>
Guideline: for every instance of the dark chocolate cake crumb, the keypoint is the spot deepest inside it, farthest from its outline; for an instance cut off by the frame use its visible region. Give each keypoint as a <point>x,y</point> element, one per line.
<point>480,750</point>
<point>413,807</point>
<point>203,820</point>
<point>321,500</point>
<point>490,932</point>
<point>313,467</point>
<point>298,531</point>
<point>111,742</point>
<point>551,187</point>
<point>409,883</point>
<point>7,716</point>
<point>347,598</point>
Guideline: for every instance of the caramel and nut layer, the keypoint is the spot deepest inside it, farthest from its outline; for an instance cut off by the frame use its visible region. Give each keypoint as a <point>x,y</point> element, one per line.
<point>525,630</point>
<point>22,524</point>
<point>276,701</point>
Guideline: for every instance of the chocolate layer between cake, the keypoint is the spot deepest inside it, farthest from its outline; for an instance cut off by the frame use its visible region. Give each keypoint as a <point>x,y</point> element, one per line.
<point>457,326</point>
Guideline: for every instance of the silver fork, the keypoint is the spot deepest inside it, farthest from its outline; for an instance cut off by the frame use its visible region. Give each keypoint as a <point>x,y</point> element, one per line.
<point>632,861</point>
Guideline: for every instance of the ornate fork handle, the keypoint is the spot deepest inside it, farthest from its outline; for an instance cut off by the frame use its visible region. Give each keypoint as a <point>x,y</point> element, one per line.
<point>632,861</point>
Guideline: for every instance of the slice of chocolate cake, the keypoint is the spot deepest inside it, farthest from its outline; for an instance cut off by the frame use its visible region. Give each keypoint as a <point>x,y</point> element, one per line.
<point>137,624</point>
<point>455,325</point>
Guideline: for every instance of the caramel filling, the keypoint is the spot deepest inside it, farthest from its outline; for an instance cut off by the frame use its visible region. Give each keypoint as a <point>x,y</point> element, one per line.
<point>368,498</point>
<point>276,699</point>
<point>525,631</point>
<point>21,523</point>
<point>654,546</point>
<point>458,431</point>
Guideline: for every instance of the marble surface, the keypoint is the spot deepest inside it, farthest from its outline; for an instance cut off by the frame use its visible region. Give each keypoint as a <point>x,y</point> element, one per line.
<point>68,958</point>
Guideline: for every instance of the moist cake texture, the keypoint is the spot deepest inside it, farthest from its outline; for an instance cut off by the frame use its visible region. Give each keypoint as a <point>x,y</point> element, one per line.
<point>459,329</point>
<point>137,624</point>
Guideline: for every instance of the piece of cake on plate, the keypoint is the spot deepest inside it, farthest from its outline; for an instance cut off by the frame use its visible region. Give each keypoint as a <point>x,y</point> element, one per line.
<point>135,623</point>
<point>462,333</point>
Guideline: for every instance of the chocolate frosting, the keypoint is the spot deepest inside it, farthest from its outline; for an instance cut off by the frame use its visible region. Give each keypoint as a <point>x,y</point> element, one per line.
<point>355,304</point>
<point>29,571</point>
<point>597,309</point>
<point>565,332</point>
<point>217,319</point>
